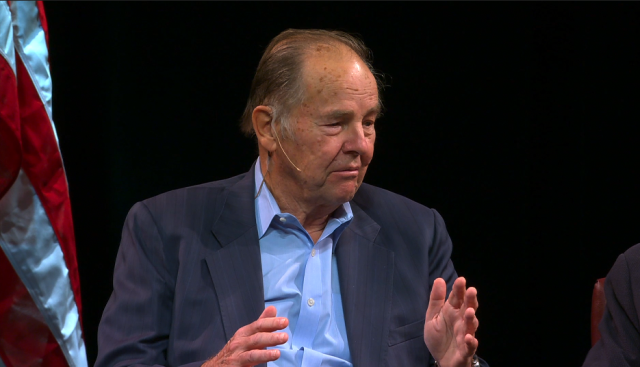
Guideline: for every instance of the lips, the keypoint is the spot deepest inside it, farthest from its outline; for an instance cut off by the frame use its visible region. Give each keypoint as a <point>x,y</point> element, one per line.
<point>349,169</point>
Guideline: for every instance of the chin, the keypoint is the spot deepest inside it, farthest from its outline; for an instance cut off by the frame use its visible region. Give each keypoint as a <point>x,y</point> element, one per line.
<point>344,194</point>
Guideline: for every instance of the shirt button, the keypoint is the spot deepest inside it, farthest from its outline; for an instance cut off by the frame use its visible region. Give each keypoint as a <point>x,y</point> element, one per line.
<point>313,252</point>
<point>283,219</point>
<point>311,302</point>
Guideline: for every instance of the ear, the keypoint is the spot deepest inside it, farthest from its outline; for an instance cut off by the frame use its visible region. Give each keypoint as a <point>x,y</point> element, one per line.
<point>262,122</point>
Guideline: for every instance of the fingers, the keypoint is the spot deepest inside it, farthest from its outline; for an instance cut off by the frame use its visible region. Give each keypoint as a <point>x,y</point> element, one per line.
<point>263,340</point>
<point>270,311</point>
<point>260,333</point>
<point>471,321</point>
<point>456,297</point>
<point>268,325</point>
<point>471,298</point>
<point>256,357</point>
<point>247,347</point>
<point>472,345</point>
<point>263,325</point>
<point>436,300</point>
<point>267,322</point>
<point>461,297</point>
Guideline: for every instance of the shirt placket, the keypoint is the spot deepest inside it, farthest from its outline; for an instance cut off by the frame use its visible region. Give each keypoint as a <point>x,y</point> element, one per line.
<point>311,302</point>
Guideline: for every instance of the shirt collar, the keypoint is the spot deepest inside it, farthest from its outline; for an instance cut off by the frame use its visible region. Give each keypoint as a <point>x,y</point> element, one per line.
<point>267,207</point>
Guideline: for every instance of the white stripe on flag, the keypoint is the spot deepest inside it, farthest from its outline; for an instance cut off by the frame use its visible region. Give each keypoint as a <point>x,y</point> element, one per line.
<point>6,36</point>
<point>31,45</point>
<point>26,234</point>
<point>28,240</point>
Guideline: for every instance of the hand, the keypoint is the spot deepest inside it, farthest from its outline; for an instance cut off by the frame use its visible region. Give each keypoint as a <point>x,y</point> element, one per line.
<point>450,327</point>
<point>247,346</point>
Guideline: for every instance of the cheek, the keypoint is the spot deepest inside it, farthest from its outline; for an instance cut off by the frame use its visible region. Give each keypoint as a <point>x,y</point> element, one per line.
<point>363,171</point>
<point>316,148</point>
<point>360,178</point>
<point>368,154</point>
<point>327,148</point>
<point>318,153</point>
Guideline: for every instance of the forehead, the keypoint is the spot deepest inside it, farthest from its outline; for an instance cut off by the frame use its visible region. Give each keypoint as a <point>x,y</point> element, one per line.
<point>330,69</point>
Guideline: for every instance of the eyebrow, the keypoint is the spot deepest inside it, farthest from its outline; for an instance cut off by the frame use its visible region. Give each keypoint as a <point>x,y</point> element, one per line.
<point>337,114</point>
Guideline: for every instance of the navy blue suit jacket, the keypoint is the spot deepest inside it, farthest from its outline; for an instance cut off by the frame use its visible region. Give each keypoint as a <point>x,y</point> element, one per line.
<point>188,275</point>
<point>619,345</point>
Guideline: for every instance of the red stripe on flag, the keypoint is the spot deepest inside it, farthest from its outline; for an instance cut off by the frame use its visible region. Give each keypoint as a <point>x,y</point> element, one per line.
<point>42,163</point>
<point>25,338</point>
<point>11,157</point>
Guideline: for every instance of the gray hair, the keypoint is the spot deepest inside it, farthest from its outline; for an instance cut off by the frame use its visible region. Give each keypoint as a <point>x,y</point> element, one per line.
<point>278,80</point>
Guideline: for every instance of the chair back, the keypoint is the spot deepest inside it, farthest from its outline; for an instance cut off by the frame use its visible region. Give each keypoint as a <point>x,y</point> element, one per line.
<point>597,309</point>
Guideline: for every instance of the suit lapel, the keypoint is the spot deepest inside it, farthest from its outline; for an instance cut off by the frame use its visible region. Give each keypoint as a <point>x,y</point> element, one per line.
<point>236,268</point>
<point>365,270</point>
<point>366,282</point>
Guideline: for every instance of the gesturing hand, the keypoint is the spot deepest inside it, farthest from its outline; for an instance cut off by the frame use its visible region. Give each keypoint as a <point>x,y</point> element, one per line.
<point>247,346</point>
<point>450,327</point>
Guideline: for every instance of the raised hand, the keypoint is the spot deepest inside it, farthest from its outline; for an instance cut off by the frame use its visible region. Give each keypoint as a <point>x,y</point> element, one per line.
<point>450,327</point>
<point>247,346</point>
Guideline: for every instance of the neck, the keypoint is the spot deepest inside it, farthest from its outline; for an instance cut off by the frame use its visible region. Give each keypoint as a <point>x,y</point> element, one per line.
<point>291,199</point>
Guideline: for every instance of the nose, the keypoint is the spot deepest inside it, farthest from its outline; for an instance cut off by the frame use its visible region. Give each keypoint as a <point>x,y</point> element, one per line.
<point>356,142</point>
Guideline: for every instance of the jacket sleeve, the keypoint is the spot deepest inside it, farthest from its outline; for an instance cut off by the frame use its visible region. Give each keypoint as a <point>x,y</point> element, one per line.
<point>135,325</point>
<point>619,327</point>
<point>440,265</point>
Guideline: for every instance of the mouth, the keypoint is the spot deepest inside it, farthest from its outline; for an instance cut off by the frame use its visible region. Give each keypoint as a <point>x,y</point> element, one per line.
<point>348,171</point>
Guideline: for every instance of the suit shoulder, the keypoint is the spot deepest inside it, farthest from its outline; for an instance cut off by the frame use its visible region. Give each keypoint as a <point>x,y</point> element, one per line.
<point>207,189</point>
<point>626,262</point>
<point>624,275</point>
<point>632,255</point>
<point>377,201</point>
<point>187,202</point>
<point>627,267</point>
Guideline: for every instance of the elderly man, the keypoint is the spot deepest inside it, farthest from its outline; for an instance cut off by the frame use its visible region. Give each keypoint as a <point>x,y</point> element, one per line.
<point>346,270</point>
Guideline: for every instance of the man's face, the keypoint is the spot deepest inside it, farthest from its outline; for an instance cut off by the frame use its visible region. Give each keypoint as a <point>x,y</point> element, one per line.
<point>334,128</point>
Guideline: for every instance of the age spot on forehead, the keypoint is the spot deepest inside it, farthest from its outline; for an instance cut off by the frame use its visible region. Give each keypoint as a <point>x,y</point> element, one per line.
<point>321,48</point>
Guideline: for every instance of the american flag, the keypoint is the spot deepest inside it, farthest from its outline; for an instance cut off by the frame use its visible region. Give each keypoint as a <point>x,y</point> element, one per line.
<point>39,285</point>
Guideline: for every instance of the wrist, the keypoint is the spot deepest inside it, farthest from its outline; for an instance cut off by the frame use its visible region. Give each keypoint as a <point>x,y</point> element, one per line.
<point>475,362</point>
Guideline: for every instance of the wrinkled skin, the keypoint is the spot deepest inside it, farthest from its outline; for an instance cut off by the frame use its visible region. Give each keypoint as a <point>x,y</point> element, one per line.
<point>334,136</point>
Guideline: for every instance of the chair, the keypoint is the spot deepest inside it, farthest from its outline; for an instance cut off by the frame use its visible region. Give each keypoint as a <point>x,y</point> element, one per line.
<point>597,309</point>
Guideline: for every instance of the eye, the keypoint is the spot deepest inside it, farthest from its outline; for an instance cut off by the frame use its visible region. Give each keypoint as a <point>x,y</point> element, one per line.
<point>334,125</point>
<point>332,128</point>
<point>368,123</point>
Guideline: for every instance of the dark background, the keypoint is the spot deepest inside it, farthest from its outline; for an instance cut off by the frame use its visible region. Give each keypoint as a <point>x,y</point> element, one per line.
<point>516,121</point>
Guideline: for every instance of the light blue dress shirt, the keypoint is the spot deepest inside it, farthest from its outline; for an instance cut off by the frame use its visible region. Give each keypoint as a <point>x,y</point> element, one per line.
<point>301,281</point>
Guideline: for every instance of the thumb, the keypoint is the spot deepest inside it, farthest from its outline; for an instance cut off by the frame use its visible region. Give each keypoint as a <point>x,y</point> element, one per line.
<point>269,312</point>
<point>436,300</point>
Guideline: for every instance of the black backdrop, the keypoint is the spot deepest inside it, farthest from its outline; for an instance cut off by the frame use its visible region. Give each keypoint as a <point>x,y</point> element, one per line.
<point>517,121</point>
